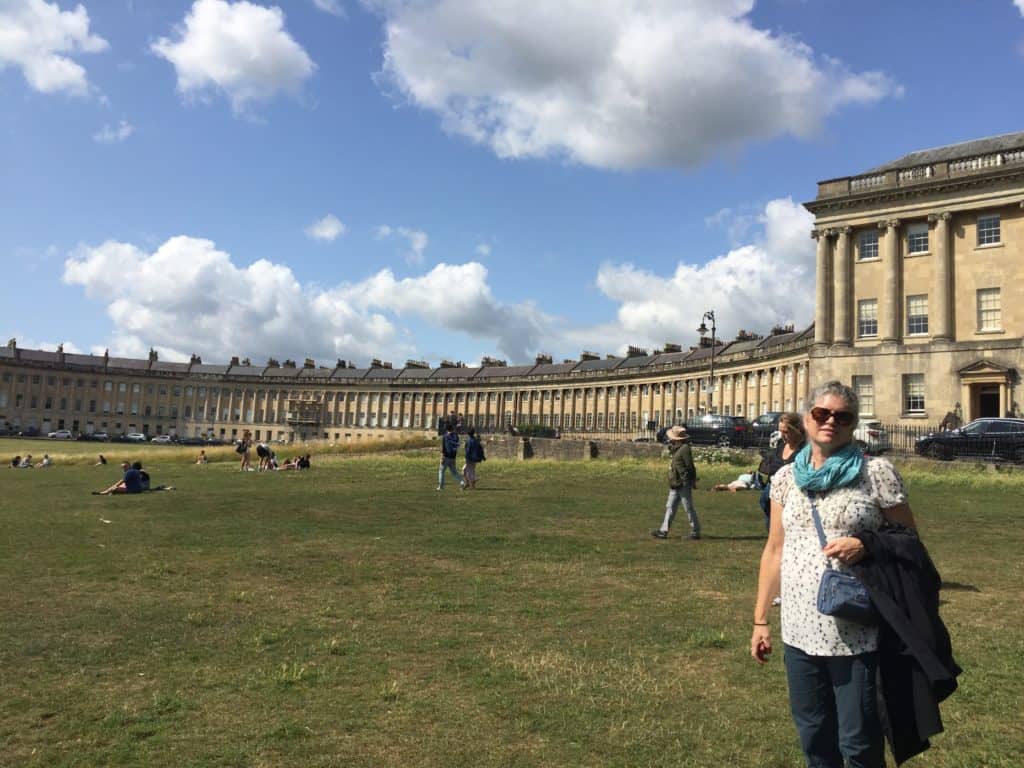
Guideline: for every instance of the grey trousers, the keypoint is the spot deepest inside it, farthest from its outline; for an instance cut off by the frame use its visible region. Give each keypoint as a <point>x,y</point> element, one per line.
<point>675,496</point>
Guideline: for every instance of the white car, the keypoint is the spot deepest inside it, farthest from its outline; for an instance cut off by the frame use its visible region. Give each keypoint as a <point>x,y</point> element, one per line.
<point>61,434</point>
<point>872,437</point>
<point>135,437</point>
<point>162,439</point>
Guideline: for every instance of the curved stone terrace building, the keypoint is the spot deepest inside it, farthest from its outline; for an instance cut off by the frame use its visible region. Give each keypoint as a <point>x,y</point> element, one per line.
<point>919,268</point>
<point>609,395</point>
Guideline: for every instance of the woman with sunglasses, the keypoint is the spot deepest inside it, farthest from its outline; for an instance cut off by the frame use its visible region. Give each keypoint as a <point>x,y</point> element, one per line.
<point>830,662</point>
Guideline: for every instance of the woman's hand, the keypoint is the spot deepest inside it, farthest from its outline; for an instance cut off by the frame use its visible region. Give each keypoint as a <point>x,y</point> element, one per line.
<point>847,550</point>
<point>761,643</point>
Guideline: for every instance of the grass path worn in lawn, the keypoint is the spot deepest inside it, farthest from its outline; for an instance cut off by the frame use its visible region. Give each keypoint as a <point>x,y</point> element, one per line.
<point>354,616</point>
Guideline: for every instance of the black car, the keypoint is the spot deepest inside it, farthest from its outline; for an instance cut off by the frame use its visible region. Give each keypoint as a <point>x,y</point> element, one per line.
<point>764,425</point>
<point>717,429</point>
<point>982,438</point>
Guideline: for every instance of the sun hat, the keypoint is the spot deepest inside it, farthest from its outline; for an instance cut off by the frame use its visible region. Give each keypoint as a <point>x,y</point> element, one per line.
<point>677,433</point>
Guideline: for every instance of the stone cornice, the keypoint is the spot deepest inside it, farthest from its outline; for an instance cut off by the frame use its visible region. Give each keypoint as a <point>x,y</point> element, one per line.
<point>920,190</point>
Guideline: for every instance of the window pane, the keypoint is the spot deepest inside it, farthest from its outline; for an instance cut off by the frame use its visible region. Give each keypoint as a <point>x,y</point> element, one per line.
<point>867,317</point>
<point>913,393</point>
<point>917,314</point>
<point>989,310</point>
<point>917,238</point>
<point>864,386</point>
<point>867,245</point>
<point>988,229</point>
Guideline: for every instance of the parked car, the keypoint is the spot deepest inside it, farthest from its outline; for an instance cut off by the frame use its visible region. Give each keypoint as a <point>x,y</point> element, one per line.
<point>29,432</point>
<point>764,426</point>
<point>162,439</point>
<point>982,438</point>
<point>192,441</point>
<point>62,434</point>
<point>716,429</point>
<point>135,437</point>
<point>100,436</point>
<point>872,437</point>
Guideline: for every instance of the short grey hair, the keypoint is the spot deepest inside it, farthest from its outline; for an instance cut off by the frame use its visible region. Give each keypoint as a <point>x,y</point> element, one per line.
<point>840,390</point>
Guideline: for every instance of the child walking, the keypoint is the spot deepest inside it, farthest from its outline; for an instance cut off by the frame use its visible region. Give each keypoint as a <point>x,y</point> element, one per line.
<point>682,479</point>
<point>474,455</point>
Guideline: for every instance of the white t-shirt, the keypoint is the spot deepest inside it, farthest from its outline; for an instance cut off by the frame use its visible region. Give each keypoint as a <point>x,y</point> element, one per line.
<point>843,512</point>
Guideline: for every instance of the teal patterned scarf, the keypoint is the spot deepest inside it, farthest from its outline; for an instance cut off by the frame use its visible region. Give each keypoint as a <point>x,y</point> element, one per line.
<point>839,470</point>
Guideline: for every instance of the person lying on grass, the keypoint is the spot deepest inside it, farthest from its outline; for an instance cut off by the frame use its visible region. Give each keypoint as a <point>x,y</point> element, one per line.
<point>745,482</point>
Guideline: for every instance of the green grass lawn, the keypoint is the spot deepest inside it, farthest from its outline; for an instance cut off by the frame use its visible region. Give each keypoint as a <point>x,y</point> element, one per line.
<point>354,616</point>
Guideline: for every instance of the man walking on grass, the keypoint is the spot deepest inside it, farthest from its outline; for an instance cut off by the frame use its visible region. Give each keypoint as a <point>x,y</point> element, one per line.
<point>449,451</point>
<point>682,479</point>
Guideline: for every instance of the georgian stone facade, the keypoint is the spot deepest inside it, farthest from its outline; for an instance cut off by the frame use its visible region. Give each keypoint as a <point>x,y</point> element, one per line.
<point>919,267</point>
<point>919,264</point>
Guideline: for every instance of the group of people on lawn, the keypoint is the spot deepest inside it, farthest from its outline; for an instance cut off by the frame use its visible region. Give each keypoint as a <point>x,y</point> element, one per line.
<point>474,454</point>
<point>267,458</point>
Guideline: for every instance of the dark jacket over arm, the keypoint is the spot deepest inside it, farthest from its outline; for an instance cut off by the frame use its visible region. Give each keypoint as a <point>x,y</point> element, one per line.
<point>915,654</point>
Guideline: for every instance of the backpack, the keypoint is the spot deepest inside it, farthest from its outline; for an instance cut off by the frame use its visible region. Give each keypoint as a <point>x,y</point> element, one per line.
<point>241,447</point>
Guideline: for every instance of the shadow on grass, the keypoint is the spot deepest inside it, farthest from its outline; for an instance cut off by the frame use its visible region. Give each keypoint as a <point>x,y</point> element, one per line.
<point>958,587</point>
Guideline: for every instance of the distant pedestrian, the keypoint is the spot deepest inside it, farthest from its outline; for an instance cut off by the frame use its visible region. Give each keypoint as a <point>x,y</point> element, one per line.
<point>474,455</point>
<point>449,452</point>
<point>682,479</point>
<point>243,446</point>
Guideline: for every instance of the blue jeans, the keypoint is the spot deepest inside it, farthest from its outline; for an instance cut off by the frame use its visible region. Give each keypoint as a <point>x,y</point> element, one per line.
<point>683,494</point>
<point>765,500</point>
<point>447,463</point>
<point>833,702</point>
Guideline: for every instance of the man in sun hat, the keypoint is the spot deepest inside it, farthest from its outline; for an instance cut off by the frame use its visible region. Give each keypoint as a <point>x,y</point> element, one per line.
<point>682,479</point>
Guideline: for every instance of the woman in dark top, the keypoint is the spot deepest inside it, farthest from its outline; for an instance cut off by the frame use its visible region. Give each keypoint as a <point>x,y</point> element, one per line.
<point>793,436</point>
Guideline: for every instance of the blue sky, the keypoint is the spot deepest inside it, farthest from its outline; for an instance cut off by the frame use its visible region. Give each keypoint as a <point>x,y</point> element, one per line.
<point>502,178</point>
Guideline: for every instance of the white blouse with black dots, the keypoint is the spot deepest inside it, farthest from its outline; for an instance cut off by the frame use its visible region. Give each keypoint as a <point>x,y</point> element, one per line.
<point>843,512</point>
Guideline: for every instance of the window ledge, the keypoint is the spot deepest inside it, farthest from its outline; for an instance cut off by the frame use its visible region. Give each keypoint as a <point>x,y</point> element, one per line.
<point>915,254</point>
<point>986,246</point>
<point>872,337</point>
<point>996,332</point>
<point>917,336</point>
<point>868,261</point>
<point>915,415</point>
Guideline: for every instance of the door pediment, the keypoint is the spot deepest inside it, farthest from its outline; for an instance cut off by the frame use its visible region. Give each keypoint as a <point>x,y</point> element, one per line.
<point>984,370</point>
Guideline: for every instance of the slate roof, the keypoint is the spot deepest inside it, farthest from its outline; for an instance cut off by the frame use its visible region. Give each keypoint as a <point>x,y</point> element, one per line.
<point>85,361</point>
<point>170,367</point>
<point>602,364</point>
<point>779,338</point>
<point>383,373</point>
<point>209,369</point>
<point>666,358</point>
<point>348,373</point>
<point>986,146</point>
<point>128,363</point>
<point>637,362</point>
<point>550,369</point>
<point>39,356</point>
<point>454,373</point>
<point>416,373</point>
<point>282,373</point>
<point>745,346</point>
<point>501,371</point>
<point>246,370</point>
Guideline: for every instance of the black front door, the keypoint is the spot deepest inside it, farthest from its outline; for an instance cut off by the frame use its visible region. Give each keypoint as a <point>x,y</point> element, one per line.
<point>988,403</point>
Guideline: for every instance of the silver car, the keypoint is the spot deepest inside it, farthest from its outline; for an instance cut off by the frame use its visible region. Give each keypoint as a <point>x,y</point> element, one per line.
<point>872,437</point>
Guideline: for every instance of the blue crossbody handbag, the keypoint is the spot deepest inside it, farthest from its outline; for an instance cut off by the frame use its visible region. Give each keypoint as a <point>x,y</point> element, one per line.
<point>841,594</point>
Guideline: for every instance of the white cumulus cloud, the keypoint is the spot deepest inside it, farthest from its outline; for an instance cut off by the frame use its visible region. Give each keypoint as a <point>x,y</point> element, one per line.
<point>1020,6</point>
<point>332,7</point>
<point>40,39</point>
<point>240,49</point>
<point>188,296</point>
<point>753,287</point>
<point>613,83</point>
<point>114,134</point>
<point>328,228</point>
<point>416,240</point>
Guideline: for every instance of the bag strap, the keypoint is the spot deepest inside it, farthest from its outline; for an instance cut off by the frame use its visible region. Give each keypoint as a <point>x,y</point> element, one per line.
<point>818,526</point>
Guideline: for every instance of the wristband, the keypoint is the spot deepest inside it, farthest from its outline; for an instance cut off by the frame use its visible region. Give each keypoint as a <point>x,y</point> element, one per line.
<point>761,624</point>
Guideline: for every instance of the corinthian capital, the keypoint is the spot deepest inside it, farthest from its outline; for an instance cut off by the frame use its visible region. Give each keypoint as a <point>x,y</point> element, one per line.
<point>944,216</point>
<point>889,224</point>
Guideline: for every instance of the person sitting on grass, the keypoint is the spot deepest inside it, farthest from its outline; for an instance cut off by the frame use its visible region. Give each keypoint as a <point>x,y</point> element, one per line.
<point>145,479</point>
<point>16,462</point>
<point>302,462</point>
<point>46,462</point>
<point>102,461</point>
<point>745,482</point>
<point>202,457</point>
<point>26,463</point>
<point>130,483</point>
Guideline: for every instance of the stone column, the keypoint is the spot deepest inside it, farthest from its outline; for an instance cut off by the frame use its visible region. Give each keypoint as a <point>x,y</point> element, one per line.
<point>822,328</point>
<point>843,261</point>
<point>783,371</point>
<point>889,320</point>
<point>940,307</point>
<point>770,405</point>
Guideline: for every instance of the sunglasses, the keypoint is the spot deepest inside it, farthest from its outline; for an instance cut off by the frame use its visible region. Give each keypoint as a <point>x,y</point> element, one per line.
<point>822,415</point>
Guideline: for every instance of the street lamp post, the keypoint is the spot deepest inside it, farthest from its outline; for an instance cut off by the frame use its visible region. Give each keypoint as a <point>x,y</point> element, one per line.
<point>702,330</point>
